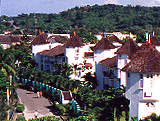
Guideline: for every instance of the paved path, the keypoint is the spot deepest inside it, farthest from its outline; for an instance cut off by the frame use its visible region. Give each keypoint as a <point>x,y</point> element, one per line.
<point>33,103</point>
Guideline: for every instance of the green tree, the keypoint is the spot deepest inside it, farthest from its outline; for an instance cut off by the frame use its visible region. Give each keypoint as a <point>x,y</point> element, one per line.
<point>4,84</point>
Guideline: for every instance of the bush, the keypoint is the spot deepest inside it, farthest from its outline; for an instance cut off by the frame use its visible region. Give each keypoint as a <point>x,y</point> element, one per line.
<point>20,108</point>
<point>48,118</point>
<point>20,118</point>
<point>61,109</point>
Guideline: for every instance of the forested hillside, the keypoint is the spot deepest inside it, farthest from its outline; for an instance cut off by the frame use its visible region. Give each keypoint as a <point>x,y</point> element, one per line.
<point>88,19</point>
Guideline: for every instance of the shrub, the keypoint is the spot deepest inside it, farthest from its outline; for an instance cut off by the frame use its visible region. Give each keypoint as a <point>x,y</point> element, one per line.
<point>20,118</point>
<point>48,118</point>
<point>61,109</point>
<point>20,108</point>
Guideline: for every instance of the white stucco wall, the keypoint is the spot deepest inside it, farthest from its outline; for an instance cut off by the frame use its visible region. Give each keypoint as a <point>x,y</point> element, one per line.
<point>153,101</point>
<point>100,55</point>
<point>41,47</point>
<point>158,48</point>
<point>138,99</point>
<point>122,60</point>
<point>101,78</point>
<point>74,57</point>
<point>133,93</point>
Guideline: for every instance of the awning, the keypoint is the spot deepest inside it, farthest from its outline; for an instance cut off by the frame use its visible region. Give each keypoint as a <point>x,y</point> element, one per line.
<point>88,65</point>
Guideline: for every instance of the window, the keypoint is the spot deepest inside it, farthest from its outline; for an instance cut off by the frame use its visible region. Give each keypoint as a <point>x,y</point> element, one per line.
<point>41,66</point>
<point>141,84</point>
<point>141,76</point>
<point>149,75</point>
<point>128,75</point>
<point>77,50</point>
<point>76,58</point>
<point>158,75</point>
<point>147,94</point>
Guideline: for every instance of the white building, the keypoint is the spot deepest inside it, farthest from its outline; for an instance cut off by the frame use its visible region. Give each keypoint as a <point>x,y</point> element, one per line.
<point>47,52</point>
<point>104,49</point>
<point>41,43</point>
<point>142,82</point>
<point>123,57</point>
<point>48,58</point>
<point>104,56</point>
<point>106,73</point>
<point>7,40</point>
<point>80,55</point>
<point>119,35</point>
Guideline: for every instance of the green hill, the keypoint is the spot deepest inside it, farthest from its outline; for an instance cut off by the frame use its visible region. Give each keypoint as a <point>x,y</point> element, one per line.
<point>93,19</point>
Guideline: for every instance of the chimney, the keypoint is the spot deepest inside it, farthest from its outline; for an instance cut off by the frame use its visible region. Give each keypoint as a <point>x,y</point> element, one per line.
<point>105,34</point>
<point>149,38</point>
<point>146,36</point>
<point>40,32</point>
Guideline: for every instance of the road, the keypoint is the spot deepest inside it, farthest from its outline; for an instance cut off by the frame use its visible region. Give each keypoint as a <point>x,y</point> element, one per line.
<point>33,103</point>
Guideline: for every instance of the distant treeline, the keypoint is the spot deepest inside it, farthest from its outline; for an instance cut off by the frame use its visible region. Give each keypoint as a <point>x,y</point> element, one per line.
<point>91,19</point>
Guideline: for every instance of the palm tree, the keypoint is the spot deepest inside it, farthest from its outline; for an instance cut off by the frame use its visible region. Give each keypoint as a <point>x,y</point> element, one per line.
<point>7,70</point>
<point>90,81</point>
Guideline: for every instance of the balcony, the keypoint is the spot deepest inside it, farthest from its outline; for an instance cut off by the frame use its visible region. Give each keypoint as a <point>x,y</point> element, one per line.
<point>109,75</point>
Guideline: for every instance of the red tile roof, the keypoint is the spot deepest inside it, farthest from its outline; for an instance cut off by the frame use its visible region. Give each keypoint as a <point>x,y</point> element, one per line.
<point>40,39</point>
<point>74,41</point>
<point>114,38</point>
<point>146,60</point>
<point>109,62</point>
<point>104,44</point>
<point>155,41</point>
<point>9,39</point>
<point>128,48</point>
<point>88,54</point>
<point>57,38</point>
<point>56,51</point>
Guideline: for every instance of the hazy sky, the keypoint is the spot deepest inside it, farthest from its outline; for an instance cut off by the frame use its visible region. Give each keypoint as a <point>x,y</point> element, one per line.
<point>15,7</point>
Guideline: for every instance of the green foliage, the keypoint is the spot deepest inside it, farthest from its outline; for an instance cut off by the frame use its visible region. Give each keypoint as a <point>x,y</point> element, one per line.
<point>20,108</point>
<point>61,109</point>
<point>62,69</point>
<point>3,110</point>
<point>48,118</point>
<point>102,104</point>
<point>89,20</point>
<point>134,118</point>
<point>90,81</point>
<point>152,117</point>
<point>20,118</point>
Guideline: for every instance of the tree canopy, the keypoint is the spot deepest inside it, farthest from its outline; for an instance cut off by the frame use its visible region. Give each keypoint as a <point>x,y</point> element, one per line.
<point>88,19</point>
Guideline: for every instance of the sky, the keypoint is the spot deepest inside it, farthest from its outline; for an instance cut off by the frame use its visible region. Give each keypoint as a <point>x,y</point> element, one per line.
<point>15,7</point>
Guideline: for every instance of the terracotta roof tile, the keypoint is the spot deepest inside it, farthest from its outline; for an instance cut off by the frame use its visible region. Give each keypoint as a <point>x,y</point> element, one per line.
<point>8,39</point>
<point>40,39</point>
<point>56,51</point>
<point>155,41</point>
<point>104,44</point>
<point>146,60</point>
<point>114,38</point>
<point>57,38</point>
<point>74,41</point>
<point>109,62</point>
<point>128,48</point>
